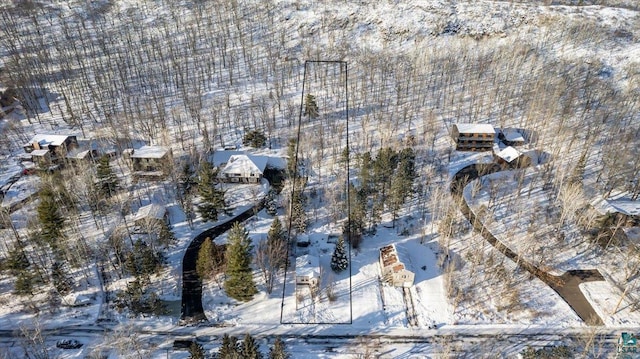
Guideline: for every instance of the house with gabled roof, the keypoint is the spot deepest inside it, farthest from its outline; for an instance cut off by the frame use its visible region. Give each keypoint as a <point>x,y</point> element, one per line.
<point>151,216</point>
<point>151,161</point>
<point>510,157</point>
<point>394,267</point>
<point>244,169</point>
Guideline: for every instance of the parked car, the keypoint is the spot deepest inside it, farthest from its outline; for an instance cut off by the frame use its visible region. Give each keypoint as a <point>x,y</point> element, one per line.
<point>68,344</point>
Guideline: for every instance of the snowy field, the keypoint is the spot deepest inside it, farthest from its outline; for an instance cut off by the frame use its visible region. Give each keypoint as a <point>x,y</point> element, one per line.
<point>195,77</point>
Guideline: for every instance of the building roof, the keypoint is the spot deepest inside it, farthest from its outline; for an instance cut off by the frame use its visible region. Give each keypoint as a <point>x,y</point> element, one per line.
<point>78,154</point>
<point>38,153</point>
<point>475,128</point>
<point>221,157</point>
<point>623,205</point>
<point>393,258</point>
<point>47,140</point>
<point>307,266</point>
<point>509,154</point>
<point>512,135</point>
<point>153,211</point>
<point>245,164</point>
<point>150,152</point>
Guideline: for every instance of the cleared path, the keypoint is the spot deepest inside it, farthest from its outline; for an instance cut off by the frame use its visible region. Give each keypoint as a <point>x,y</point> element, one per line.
<point>566,285</point>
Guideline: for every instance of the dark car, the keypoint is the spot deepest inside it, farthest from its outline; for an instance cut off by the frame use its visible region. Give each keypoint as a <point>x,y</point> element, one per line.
<point>68,344</point>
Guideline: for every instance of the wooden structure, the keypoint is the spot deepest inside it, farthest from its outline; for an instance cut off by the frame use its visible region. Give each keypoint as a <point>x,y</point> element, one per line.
<point>307,271</point>
<point>473,137</point>
<point>151,215</point>
<point>509,157</point>
<point>47,150</point>
<point>151,161</point>
<point>393,265</point>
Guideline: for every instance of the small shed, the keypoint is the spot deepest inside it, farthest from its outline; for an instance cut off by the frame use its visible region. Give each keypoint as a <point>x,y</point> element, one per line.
<point>511,137</point>
<point>510,157</point>
<point>42,158</point>
<point>150,216</point>
<point>307,270</point>
<point>394,267</point>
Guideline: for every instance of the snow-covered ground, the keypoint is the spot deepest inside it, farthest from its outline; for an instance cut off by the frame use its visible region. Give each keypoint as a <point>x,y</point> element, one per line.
<point>403,81</point>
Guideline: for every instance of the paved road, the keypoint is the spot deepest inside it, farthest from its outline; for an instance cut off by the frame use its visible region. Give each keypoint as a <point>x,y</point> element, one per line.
<point>566,285</point>
<point>192,310</point>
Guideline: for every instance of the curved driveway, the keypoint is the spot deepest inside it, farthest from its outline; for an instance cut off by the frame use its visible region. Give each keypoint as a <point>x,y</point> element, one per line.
<point>192,310</point>
<point>566,285</point>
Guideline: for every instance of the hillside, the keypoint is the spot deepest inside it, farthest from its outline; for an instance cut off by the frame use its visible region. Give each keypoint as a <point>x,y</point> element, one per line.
<point>196,76</point>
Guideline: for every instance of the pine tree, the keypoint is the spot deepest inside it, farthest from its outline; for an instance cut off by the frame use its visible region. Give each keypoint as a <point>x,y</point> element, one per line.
<point>51,221</point>
<point>204,263</point>
<point>107,183</point>
<point>239,284</point>
<point>310,106</point>
<point>278,350</point>
<point>229,348</point>
<point>299,218</point>
<point>270,203</point>
<point>196,351</point>
<point>276,232</point>
<point>165,235</point>
<point>17,260</point>
<point>339,260</point>
<point>292,165</point>
<point>62,282</point>
<point>24,284</point>
<point>254,138</point>
<point>250,348</point>
<point>213,201</point>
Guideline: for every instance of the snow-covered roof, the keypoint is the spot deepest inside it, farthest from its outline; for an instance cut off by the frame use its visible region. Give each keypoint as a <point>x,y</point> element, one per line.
<point>220,158</point>
<point>512,135</point>
<point>153,210</point>
<point>38,153</point>
<point>394,258</point>
<point>78,154</point>
<point>508,154</point>
<point>245,164</point>
<point>47,140</point>
<point>624,206</point>
<point>150,152</point>
<point>307,266</point>
<point>475,128</point>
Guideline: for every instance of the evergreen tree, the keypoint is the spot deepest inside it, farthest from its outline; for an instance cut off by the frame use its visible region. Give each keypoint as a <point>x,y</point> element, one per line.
<point>310,106</point>
<point>186,178</point>
<point>250,348</point>
<point>292,166</point>
<point>107,183</point>
<point>51,221</point>
<point>239,283</point>
<point>339,260</point>
<point>213,201</point>
<point>204,262</point>
<point>254,138</point>
<point>278,350</point>
<point>196,351</point>
<point>276,232</point>
<point>299,218</point>
<point>62,282</point>
<point>229,349</point>
<point>165,235</point>
<point>270,203</point>
<point>17,260</point>
<point>24,284</point>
